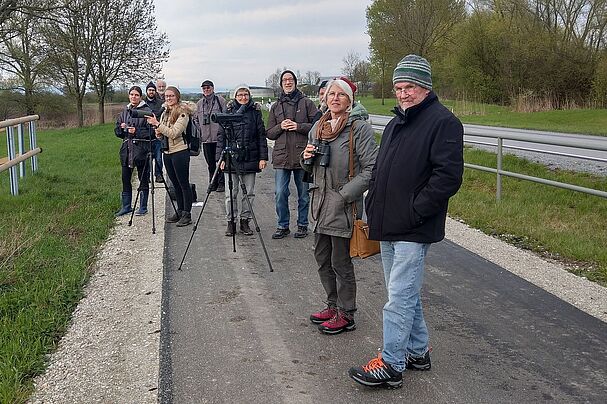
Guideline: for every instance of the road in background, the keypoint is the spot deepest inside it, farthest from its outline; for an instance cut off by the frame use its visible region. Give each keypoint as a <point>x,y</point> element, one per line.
<point>233,332</point>
<point>516,147</point>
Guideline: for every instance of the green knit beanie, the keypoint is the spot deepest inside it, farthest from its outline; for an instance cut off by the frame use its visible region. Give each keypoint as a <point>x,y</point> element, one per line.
<point>414,69</point>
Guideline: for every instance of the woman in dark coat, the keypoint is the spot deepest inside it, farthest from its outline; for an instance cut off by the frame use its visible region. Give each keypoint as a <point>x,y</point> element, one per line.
<point>135,134</point>
<point>248,142</point>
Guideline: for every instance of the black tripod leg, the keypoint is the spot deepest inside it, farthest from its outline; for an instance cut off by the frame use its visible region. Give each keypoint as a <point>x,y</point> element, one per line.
<point>136,199</point>
<point>151,161</point>
<point>204,204</point>
<point>230,186</point>
<point>246,197</point>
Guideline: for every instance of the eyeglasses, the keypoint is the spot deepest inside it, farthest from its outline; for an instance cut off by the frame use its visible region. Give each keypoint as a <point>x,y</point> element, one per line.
<point>333,94</point>
<point>408,88</point>
<point>288,80</point>
<point>242,95</point>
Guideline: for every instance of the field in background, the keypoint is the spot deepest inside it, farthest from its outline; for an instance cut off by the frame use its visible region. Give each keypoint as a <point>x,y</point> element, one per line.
<point>586,121</point>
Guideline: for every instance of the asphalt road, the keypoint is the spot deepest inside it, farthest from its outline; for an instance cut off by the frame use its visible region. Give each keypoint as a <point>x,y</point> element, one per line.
<point>235,333</point>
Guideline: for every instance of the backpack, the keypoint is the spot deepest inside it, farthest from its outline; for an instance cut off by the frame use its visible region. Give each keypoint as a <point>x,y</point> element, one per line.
<point>192,136</point>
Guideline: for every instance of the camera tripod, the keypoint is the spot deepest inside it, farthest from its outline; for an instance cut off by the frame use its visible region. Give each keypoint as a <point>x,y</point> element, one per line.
<point>227,156</point>
<point>149,165</point>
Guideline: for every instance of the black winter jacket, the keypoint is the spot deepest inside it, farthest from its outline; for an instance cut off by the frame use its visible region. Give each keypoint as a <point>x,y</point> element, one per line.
<point>133,149</point>
<point>248,141</point>
<point>419,167</point>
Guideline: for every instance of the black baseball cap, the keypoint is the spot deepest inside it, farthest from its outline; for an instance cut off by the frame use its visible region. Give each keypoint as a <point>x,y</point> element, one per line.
<point>207,83</point>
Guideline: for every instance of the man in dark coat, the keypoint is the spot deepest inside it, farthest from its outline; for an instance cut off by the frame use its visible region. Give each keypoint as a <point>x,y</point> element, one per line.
<point>155,104</point>
<point>289,122</point>
<point>419,167</point>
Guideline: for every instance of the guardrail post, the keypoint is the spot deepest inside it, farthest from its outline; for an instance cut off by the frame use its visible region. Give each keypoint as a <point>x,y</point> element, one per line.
<point>21,144</point>
<point>498,191</point>
<point>33,144</point>
<point>10,144</point>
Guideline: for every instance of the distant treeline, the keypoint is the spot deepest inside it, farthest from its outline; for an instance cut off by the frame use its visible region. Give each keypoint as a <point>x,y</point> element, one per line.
<point>552,52</point>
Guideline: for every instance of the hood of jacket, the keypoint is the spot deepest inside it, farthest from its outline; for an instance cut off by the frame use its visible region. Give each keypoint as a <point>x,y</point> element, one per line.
<point>234,106</point>
<point>358,112</point>
<point>292,97</point>
<point>140,105</point>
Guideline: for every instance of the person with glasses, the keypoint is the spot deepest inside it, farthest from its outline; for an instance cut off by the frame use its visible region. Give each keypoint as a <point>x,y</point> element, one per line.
<point>155,103</point>
<point>249,148</point>
<point>289,122</point>
<point>419,167</point>
<point>170,128</point>
<point>336,196</point>
<point>210,103</point>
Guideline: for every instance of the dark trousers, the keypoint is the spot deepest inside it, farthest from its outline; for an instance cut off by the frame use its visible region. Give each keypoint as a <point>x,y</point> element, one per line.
<point>209,150</point>
<point>178,169</point>
<point>336,271</point>
<point>143,174</point>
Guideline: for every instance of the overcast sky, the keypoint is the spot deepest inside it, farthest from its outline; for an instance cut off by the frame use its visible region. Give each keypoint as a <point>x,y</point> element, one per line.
<point>233,42</point>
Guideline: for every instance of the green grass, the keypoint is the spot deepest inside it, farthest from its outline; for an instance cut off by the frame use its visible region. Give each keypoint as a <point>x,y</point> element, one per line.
<point>49,235</point>
<point>586,121</point>
<point>557,223</point>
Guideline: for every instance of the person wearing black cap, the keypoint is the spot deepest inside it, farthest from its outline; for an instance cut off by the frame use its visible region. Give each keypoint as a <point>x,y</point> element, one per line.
<point>210,103</point>
<point>155,104</point>
<point>289,122</point>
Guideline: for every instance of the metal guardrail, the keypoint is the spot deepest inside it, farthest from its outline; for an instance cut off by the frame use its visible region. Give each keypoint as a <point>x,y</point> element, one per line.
<point>19,159</point>
<point>581,143</point>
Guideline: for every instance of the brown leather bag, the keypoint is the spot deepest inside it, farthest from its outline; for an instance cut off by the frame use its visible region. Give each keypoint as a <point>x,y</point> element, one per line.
<point>360,245</point>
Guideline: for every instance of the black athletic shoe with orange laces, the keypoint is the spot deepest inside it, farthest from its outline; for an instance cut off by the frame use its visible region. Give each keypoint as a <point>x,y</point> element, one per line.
<point>377,373</point>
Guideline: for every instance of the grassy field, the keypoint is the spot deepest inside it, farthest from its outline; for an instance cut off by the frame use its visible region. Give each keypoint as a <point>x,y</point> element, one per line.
<point>586,121</point>
<point>49,235</point>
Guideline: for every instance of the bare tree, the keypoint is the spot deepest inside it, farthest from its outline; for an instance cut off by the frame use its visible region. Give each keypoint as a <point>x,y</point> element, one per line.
<point>23,55</point>
<point>350,61</point>
<point>42,9</point>
<point>273,80</point>
<point>126,45</point>
<point>68,41</point>
<point>310,77</point>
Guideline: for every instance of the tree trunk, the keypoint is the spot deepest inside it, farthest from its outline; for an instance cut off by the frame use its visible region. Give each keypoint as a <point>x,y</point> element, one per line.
<point>101,109</point>
<point>80,111</point>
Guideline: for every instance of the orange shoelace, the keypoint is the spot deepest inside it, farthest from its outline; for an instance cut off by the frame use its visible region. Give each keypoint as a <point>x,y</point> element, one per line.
<point>375,363</point>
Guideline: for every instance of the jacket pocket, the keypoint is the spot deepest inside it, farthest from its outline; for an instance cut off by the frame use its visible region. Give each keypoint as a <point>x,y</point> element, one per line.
<point>403,215</point>
<point>335,211</point>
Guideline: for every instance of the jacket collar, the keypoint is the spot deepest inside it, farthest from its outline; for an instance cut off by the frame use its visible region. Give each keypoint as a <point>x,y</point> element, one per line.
<point>411,113</point>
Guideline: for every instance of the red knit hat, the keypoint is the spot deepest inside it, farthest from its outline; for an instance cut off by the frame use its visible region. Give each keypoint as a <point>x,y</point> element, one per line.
<point>351,84</point>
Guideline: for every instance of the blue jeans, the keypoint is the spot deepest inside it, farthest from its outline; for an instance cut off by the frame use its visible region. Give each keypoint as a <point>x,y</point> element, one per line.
<point>282,179</point>
<point>405,331</point>
<point>157,154</point>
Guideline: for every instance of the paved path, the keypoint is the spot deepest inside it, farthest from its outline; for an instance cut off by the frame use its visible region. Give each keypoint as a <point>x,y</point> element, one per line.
<point>235,333</point>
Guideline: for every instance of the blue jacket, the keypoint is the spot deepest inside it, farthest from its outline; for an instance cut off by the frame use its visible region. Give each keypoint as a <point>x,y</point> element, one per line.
<point>419,167</point>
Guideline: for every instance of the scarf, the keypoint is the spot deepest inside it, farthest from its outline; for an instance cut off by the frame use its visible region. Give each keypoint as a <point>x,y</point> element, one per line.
<point>328,129</point>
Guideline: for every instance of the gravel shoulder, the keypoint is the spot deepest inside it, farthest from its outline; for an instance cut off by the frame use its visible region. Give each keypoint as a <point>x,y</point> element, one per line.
<point>110,352</point>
